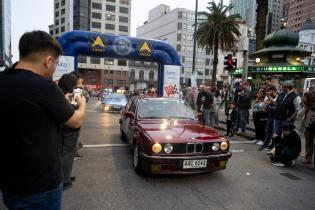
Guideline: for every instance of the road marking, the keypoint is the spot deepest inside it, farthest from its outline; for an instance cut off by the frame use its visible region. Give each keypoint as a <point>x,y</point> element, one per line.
<point>105,145</point>
<point>240,142</point>
<point>236,150</point>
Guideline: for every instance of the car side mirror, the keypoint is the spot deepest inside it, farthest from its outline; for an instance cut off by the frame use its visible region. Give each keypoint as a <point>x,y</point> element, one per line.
<point>130,115</point>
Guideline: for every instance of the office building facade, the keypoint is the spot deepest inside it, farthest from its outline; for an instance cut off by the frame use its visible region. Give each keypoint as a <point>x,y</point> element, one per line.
<point>102,16</point>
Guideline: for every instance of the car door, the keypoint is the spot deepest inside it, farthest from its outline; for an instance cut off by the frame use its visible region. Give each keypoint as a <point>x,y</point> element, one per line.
<point>128,122</point>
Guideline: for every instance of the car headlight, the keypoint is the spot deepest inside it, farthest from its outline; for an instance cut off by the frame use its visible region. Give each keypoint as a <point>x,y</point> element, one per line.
<point>224,145</point>
<point>156,148</point>
<point>215,146</point>
<point>168,148</point>
<point>106,108</point>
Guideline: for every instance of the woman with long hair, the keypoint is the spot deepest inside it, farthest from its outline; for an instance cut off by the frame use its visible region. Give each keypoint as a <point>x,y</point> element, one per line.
<point>260,116</point>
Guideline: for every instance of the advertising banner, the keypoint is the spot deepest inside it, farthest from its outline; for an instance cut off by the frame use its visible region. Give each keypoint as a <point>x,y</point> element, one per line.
<point>65,65</point>
<point>171,81</point>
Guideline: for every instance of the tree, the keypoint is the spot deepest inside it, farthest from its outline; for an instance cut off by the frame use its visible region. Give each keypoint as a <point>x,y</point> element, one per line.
<point>217,30</point>
<point>262,10</point>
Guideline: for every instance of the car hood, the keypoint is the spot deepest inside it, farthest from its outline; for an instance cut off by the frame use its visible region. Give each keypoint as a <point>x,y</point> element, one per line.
<point>115,102</point>
<point>178,131</point>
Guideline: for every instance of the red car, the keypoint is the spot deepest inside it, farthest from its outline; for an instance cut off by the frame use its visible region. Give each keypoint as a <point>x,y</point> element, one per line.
<point>166,138</point>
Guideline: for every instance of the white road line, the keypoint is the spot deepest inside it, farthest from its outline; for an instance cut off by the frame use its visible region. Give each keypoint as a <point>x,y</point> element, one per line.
<point>240,142</point>
<point>105,145</point>
<point>236,150</point>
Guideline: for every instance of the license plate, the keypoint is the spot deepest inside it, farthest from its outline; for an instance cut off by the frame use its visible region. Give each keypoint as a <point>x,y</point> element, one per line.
<point>195,163</point>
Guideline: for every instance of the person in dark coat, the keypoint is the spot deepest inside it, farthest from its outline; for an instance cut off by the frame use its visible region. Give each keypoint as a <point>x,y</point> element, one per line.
<point>230,119</point>
<point>287,148</point>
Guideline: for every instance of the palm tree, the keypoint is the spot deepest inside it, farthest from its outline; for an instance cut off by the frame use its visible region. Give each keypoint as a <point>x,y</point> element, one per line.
<point>262,10</point>
<point>217,30</point>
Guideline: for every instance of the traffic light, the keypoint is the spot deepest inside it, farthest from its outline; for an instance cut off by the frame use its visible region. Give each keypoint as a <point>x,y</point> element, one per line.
<point>234,64</point>
<point>228,62</point>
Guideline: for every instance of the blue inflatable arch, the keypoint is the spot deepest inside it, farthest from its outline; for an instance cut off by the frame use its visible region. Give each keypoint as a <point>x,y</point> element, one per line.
<point>76,43</point>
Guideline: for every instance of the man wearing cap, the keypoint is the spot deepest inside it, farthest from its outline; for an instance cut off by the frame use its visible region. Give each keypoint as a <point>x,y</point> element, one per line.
<point>288,103</point>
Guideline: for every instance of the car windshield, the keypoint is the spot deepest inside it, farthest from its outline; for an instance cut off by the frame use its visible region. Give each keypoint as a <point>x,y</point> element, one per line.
<point>115,97</point>
<point>165,109</point>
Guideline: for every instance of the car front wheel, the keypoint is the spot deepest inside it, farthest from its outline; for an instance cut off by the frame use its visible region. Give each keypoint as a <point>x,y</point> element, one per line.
<point>137,160</point>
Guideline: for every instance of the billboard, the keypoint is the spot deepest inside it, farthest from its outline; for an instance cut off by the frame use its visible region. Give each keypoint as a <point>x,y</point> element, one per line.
<point>171,81</point>
<point>65,65</point>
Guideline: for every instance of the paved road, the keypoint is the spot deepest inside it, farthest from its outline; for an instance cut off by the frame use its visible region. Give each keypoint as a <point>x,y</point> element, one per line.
<point>106,180</point>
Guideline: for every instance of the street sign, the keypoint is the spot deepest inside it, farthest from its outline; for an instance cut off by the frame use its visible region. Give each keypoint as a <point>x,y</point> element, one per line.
<point>65,65</point>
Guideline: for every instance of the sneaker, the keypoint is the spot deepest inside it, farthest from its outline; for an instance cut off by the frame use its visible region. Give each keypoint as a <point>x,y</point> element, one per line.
<point>260,142</point>
<point>269,152</point>
<point>267,149</point>
<point>278,164</point>
<point>292,163</point>
<point>254,141</point>
<point>77,154</point>
<point>238,132</point>
<point>67,186</point>
<point>76,158</point>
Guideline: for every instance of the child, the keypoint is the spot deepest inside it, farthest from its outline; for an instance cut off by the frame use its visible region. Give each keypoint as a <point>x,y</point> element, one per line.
<point>287,148</point>
<point>231,118</point>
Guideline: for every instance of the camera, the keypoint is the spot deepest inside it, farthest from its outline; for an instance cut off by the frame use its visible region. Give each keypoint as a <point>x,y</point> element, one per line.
<point>76,93</point>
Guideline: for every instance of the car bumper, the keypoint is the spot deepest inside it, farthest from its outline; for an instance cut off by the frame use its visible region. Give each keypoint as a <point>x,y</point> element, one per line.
<point>174,165</point>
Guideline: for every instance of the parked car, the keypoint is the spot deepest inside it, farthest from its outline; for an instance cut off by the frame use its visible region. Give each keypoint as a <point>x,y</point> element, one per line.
<point>166,137</point>
<point>113,102</point>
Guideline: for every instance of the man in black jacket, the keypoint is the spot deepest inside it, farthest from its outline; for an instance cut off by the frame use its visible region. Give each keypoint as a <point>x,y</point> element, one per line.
<point>204,102</point>
<point>288,104</point>
<point>243,105</point>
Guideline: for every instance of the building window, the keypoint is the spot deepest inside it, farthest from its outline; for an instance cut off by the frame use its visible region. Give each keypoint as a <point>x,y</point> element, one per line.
<point>180,15</point>
<point>108,61</point>
<point>124,10</point>
<point>96,25</point>
<point>105,71</point>
<point>179,26</point>
<point>179,37</point>
<point>63,11</point>
<point>207,61</point>
<point>183,59</point>
<point>56,30</point>
<point>96,15</point>
<point>57,5</point>
<point>122,62</point>
<point>200,71</point>
<point>96,5</point>
<point>141,75</point>
<point>124,73</point>
<point>81,59</point>
<point>110,26</point>
<point>51,32</point>
<point>111,72</point>
<point>62,29</point>
<point>95,60</point>
<point>126,2</point>
<point>63,2</point>
<point>183,70</point>
<point>121,83</point>
<point>151,76</point>
<point>123,19</point>
<point>57,13</point>
<point>178,48</point>
<point>207,71</point>
<point>123,28</point>
<point>110,17</point>
<point>62,20</point>
<point>110,8</point>
<point>57,22</point>
<point>108,83</point>
<point>132,74</point>
<point>112,1</point>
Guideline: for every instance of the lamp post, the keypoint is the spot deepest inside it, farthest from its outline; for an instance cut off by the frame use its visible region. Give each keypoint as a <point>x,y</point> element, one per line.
<point>195,41</point>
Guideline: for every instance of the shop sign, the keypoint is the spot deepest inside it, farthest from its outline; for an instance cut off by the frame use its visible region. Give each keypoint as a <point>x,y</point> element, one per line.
<point>276,69</point>
<point>238,71</point>
<point>309,69</point>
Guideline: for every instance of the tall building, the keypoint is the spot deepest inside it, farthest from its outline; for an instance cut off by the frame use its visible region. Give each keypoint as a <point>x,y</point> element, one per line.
<point>5,34</point>
<point>299,11</point>
<point>103,16</point>
<point>307,40</point>
<point>176,27</point>
<point>247,10</point>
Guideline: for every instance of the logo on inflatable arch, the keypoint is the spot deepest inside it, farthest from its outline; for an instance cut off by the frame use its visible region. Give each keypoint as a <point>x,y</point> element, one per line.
<point>145,49</point>
<point>98,45</point>
<point>122,46</point>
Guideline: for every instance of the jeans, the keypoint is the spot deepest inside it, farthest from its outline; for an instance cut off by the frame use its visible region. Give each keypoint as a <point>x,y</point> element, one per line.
<point>70,140</point>
<point>243,118</point>
<point>49,200</point>
<point>206,116</point>
<point>270,127</point>
<point>277,127</point>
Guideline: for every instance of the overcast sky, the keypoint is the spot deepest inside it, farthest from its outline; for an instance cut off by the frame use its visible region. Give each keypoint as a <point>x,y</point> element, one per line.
<point>27,15</point>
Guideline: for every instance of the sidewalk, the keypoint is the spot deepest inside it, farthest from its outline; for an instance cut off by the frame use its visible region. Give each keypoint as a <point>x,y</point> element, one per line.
<point>250,132</point>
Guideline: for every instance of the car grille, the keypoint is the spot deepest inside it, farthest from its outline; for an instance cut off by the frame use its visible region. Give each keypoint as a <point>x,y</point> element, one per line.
<point>194,148</point>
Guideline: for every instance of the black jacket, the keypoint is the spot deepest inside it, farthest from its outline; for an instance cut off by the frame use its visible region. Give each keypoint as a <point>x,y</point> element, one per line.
<point>208,100</point>
<point>244,100</point>
<point>291,143</point>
